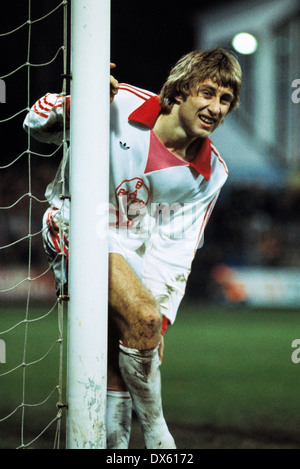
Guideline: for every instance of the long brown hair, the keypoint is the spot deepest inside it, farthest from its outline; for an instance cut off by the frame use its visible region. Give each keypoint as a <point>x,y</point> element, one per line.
<point>197,66</point>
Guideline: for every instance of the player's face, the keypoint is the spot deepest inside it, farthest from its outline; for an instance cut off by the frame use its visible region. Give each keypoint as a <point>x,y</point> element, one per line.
<point>202,112</point>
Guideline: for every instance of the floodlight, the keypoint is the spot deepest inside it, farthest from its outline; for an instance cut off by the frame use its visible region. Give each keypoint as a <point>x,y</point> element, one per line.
<point>245,43</point>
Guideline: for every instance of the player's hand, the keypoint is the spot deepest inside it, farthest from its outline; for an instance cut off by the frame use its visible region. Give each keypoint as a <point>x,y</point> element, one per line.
<point>114,88</point>
<point>114,85</point>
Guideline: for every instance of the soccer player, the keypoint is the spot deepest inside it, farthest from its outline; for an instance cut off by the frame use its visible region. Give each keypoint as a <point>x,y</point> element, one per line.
<point>165,178</point>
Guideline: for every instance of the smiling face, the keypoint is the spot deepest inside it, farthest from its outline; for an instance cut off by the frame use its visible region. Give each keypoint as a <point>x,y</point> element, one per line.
<point>215,65</point>
<point>201,112</point>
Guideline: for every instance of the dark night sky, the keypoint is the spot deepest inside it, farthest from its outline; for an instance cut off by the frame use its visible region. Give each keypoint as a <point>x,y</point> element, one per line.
<point>146,41</point>
<point>148,37</point>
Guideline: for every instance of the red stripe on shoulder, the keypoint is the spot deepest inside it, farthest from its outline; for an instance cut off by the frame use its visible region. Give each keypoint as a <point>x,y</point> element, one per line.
<point>136,91</point>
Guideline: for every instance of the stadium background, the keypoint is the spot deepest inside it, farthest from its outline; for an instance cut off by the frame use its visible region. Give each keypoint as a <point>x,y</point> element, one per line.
<point>228,377</point>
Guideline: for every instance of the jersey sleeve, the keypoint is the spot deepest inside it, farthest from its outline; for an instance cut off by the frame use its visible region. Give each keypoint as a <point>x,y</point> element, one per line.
<point>178,234</point>
<point>45,120</point>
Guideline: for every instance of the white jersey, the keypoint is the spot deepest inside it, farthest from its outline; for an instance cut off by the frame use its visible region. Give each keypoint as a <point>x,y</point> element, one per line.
<point>159,204</point>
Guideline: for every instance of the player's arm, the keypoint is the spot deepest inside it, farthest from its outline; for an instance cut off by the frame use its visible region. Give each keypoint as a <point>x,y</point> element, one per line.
<point>114,88</point>
<point>45,120</point>
<point>50,115</point>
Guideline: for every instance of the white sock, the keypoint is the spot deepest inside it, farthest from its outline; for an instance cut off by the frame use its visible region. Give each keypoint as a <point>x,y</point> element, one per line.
<point>141,373</point>
<point>118,419</point>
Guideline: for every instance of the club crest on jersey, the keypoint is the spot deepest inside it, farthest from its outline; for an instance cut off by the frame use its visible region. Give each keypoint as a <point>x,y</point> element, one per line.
<point>133,196</point>
<point>134,190</point>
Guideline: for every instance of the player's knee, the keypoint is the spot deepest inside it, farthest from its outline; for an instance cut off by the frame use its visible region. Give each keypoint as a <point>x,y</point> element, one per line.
<point>150,321</point>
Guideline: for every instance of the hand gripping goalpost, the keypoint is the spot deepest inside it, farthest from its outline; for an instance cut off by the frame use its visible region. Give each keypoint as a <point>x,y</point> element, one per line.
<point>88,265</point>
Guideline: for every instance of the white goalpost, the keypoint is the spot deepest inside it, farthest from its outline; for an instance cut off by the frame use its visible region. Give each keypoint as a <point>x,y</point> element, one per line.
<point>88,265</point>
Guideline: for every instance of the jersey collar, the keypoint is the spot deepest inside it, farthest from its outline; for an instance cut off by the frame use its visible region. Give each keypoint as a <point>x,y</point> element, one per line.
<point>147,114</point>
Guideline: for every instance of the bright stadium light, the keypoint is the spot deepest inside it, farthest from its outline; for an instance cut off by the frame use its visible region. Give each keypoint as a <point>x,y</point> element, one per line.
<point>244,43</point>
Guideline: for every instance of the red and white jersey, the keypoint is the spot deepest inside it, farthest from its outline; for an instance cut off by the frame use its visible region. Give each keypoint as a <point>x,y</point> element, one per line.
<point>159,204</point>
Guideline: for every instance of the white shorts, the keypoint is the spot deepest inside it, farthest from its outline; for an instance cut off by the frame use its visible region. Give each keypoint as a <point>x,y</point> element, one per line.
<point>56,245</point>
<point>152,273</point>
<point>117,245</point>
<point>160,279</point>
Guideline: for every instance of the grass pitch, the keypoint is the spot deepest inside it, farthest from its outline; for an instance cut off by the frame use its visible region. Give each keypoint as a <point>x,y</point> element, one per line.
<point>232,369</point>
<point>227,377</point>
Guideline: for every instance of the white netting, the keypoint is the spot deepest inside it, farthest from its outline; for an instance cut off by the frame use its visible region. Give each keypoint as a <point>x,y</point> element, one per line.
<point>34,36</point>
